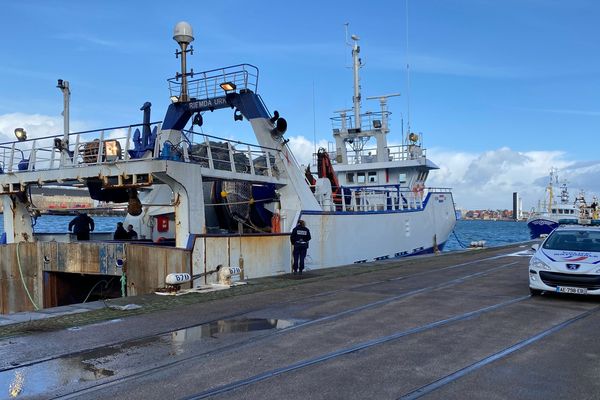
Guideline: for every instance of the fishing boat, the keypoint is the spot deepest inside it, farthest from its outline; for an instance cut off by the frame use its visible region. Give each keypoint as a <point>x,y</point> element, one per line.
<point>203,204</point>
<point>380,186</point>
<point>554,210</point>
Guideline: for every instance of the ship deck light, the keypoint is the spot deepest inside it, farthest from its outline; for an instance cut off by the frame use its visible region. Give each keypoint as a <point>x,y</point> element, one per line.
<point>228,86</point>
<point>21,134</point>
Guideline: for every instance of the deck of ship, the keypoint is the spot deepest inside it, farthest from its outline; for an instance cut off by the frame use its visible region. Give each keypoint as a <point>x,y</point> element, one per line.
<point>452,326</point>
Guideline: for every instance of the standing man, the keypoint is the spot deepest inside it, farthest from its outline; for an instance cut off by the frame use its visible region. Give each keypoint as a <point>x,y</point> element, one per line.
<point>82,225</point>
<point>120,232</point>
<point>299,238</point>
<point>132,234</point>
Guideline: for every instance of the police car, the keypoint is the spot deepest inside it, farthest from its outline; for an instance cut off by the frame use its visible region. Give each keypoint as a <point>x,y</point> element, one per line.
<point>567,261</point>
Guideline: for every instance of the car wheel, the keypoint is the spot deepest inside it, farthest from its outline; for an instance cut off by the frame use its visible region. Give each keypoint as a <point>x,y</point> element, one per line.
<point>534,292</point>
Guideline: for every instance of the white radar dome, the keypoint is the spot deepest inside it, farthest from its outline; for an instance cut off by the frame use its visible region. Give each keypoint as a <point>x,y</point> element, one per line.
<point>183,33</point>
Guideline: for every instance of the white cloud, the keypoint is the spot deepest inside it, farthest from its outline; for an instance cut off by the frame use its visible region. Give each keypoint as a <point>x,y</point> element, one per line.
<point>436,64</point>
<point>446,66</point>
<point>303,149</point>
<point>487,180</point>
<point>85,38</point>
<point>36,125</point>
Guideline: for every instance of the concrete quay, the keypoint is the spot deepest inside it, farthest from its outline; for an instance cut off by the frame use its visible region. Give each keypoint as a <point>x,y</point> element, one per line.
<point>451,326</point>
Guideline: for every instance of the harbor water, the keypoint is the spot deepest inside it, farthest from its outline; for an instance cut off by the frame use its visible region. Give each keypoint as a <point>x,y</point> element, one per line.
<point>494,233</point>
<point>60,223</point>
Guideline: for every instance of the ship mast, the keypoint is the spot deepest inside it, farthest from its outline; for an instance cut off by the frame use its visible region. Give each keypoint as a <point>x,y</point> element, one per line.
<point>356,64</point>
<point>351,133</point>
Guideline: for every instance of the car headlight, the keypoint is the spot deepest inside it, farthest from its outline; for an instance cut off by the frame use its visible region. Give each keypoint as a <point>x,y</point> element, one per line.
<point>537,263</point>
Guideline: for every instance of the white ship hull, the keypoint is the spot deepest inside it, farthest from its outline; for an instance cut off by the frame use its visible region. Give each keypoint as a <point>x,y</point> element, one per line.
<point>343,238</point>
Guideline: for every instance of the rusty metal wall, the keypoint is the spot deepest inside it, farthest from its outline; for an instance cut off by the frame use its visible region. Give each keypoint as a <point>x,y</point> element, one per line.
<point>261,255</point>
<point>258,255</point>
<point>84,258</point>
<point>148,266</point>
<point>13,297</point>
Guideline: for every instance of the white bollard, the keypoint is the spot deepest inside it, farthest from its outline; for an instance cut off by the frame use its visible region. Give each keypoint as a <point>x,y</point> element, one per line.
<point>178,278</point>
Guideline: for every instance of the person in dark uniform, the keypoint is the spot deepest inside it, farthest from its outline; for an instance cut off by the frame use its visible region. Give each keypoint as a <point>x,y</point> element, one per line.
<point>132,234</point>
<point>299,238</point>
<point>120,233</point>
<point>82,225</point>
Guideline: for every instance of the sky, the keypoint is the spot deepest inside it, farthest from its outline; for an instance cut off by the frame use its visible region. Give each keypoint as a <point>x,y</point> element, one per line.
<point>501,91</point>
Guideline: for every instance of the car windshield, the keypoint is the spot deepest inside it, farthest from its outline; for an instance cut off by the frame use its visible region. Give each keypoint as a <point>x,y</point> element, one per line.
<point>573,240</point>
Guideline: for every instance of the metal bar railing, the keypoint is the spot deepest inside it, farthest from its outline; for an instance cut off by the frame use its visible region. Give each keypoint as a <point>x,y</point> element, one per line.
<point>89,147</point>
<point>389,197</point>
<point>244,76</point>
<point>96,147</point>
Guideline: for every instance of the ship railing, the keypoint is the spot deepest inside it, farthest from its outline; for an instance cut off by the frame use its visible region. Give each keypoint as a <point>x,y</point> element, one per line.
<point>91,147</point>
<point>379,198</point>
<point>373,198</point>
<point>366,156</point>
<point>132,143</point>
<point>212,83</point>
<point>368,121</point>
<point>229,155</point>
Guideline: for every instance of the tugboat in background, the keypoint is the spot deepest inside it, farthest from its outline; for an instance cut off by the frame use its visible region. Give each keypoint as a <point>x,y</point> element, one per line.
<point>553,211</point>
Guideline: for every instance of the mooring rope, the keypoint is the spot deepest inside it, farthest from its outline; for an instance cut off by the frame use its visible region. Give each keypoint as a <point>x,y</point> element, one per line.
<point>458,240</point>
<point>23,280</point>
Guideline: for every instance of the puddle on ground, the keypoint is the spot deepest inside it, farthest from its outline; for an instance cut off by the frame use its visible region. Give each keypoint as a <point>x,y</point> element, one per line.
<point>49,376</point>
<point>213,329</point>
<point>216,329</point>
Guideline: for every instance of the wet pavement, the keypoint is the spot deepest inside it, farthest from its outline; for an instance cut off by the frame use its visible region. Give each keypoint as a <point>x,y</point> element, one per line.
<point>440,327</point>
<point>97,364</point>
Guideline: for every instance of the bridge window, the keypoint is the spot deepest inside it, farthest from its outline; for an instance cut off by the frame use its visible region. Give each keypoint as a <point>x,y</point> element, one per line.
<point>360,177</point>
<point>402,179</point>
<point>372,176</point>
<point>350,177</point>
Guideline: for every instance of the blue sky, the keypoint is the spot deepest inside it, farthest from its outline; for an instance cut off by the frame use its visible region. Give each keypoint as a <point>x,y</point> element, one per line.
<point>501,90</point>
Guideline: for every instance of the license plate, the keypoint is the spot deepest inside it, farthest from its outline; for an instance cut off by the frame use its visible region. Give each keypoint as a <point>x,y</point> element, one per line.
<point>573,290</point>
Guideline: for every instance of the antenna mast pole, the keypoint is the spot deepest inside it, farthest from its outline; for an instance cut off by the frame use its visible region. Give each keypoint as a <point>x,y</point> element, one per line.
<point>66,91</point>
<point>407,77</point>
<point>356,64</point>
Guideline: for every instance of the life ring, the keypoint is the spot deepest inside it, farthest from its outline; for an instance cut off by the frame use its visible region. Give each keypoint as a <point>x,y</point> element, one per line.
<point>418,188</point>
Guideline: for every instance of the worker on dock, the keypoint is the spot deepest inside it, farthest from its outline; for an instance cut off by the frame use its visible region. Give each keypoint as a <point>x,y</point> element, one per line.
<point>81,226</point>
<point>299,238</point>
<point>120,233</point>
